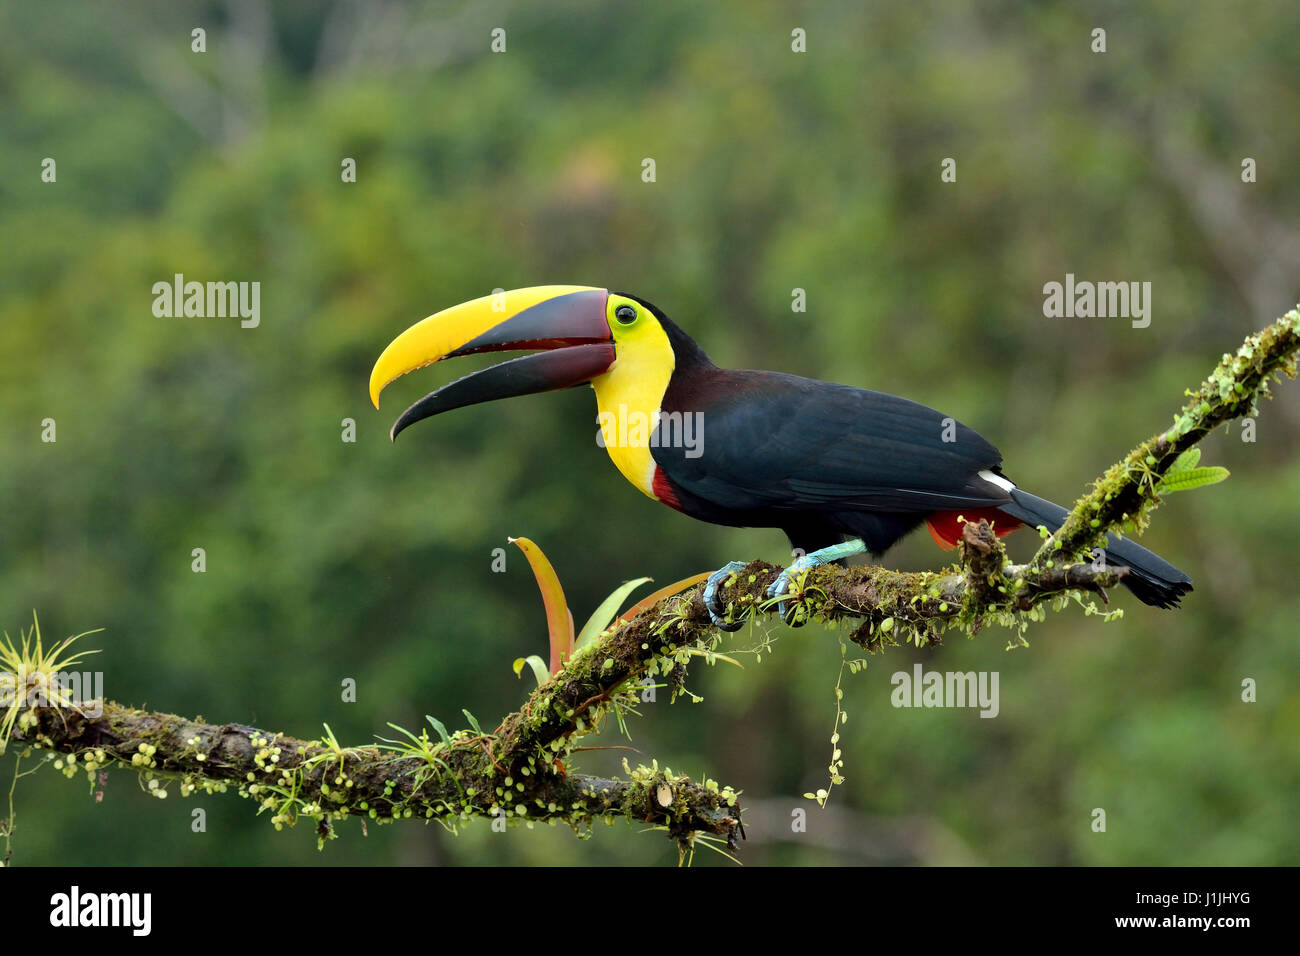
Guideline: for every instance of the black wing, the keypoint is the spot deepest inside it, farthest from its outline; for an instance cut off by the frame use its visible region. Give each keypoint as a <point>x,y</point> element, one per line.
<point>775,442</point>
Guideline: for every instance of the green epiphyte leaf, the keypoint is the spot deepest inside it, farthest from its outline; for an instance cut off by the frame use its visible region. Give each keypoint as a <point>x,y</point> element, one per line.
<point>537,664</point>
<point>603,615</point>
<point>1191,478</point>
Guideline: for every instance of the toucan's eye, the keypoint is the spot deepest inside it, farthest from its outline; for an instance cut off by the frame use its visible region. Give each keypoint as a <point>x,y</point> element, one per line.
<point>625,314</point>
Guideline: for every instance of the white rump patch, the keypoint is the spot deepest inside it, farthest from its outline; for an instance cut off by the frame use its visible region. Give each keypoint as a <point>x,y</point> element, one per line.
<point>998,480</point>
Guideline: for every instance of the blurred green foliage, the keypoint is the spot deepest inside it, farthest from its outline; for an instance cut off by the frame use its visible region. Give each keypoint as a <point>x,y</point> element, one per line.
<point>775,171</point>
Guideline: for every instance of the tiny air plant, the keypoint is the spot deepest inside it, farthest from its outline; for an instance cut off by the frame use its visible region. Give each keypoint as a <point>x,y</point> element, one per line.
<point>29,674</point>
<point>332,752</point>
<point>564,640</point>
<point>425,750</point>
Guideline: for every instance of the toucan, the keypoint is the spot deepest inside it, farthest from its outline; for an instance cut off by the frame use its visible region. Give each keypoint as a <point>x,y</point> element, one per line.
<point>840,470</point>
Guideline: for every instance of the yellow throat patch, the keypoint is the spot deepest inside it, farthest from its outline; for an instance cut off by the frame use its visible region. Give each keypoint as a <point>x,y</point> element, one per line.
<point>629,395</point>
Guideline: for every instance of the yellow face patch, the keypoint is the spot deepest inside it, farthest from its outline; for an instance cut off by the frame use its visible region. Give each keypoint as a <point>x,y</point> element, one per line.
<point>629,395</point>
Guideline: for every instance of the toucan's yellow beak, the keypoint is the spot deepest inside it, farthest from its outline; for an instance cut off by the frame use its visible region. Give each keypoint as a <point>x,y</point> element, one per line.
<point>436,337</point>
<point>568,321</point>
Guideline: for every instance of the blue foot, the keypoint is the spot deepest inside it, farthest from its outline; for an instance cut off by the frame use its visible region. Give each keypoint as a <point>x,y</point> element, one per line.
<point>718,613</point>
<point>781,585</point>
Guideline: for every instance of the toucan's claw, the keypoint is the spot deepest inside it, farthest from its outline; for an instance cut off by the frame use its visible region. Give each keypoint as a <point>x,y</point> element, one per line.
<point>835,552</point>
<point>718,612</point>
<point>782,586</point>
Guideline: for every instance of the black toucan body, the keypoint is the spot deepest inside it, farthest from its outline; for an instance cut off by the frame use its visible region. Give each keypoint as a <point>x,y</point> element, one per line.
<point>827,464</point>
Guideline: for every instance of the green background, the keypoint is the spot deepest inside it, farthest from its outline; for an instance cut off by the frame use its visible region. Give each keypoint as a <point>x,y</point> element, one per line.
<point>775,171</point>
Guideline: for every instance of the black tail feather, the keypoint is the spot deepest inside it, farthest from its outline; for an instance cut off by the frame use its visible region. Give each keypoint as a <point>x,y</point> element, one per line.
<point>1151,578</point>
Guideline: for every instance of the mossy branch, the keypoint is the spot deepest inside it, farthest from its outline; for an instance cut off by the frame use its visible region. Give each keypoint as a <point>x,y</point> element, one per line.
<point>324,782</point>
<point>1124,497</point>
<point>521,770</point>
